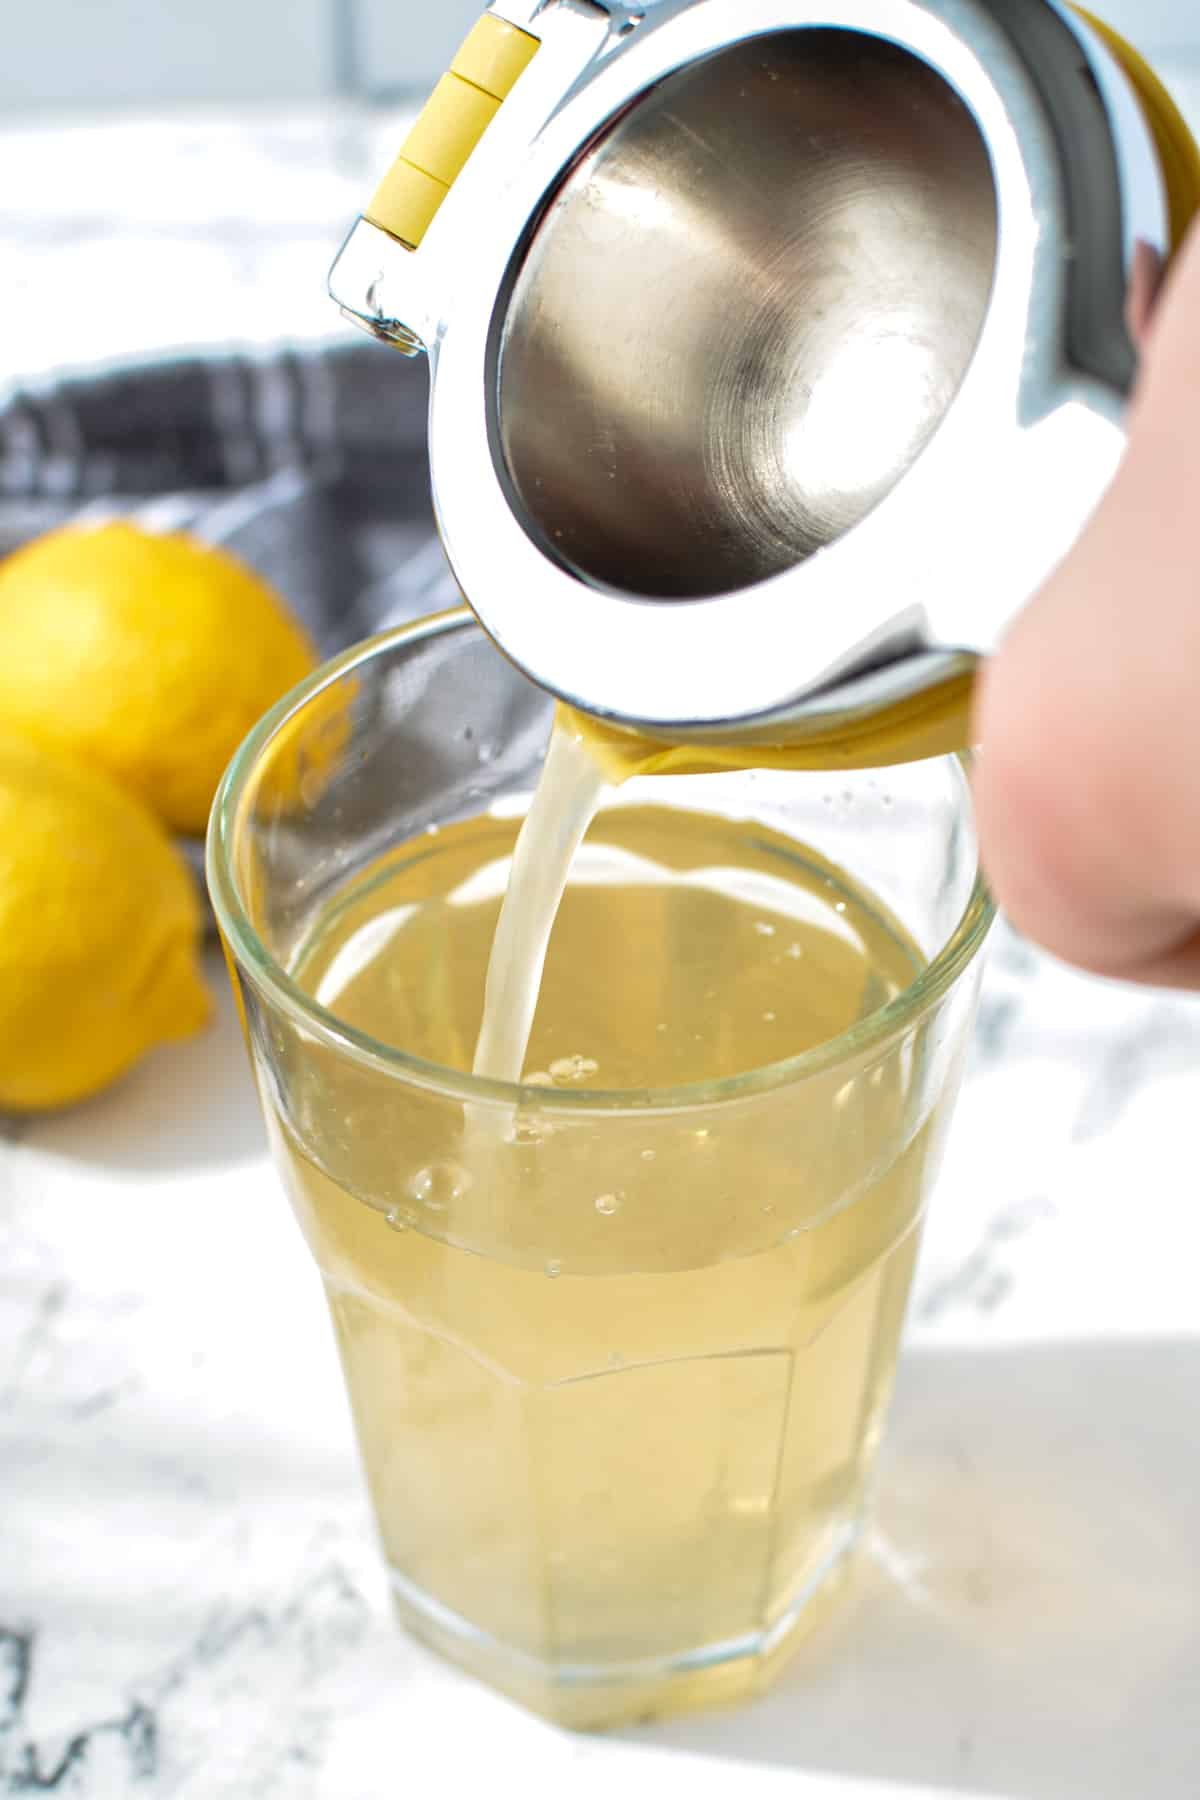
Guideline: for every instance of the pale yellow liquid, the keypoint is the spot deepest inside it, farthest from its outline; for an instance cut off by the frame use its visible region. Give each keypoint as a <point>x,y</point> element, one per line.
<point>617,1443</point>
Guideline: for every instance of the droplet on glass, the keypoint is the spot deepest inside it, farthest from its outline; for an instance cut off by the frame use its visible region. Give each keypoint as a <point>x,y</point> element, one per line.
<point>609,1205</point>
<point>440,1186</point>
<point>312,788</point>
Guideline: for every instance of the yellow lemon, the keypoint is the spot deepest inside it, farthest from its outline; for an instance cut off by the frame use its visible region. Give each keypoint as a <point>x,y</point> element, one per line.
<point>147,656</point>
<point>99,931</point>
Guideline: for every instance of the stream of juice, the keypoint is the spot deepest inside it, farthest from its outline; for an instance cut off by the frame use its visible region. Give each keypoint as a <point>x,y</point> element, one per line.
<point>585,757</point>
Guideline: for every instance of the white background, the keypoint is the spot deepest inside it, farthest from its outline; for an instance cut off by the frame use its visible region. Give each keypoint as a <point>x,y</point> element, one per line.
<point>71,53</point>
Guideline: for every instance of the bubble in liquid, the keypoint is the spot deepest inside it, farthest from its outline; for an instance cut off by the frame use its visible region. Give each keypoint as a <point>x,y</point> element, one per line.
<point>440,1186</point>
<point>764,929</point>
<point>840,907</point>
<point>553,1269</point>
<point>528,1132</point>
<point>540,1078</point>
<point>609,1205</point>
<point>770,1018</point>
<point>795,951</point>
<point>400,1218</point>
<point>569,1069</point>
<point>768,1207</point>
<point>649,1155</point>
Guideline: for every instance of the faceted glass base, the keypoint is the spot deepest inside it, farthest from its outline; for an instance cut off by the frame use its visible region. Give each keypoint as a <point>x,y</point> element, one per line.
<point>596,1696</point>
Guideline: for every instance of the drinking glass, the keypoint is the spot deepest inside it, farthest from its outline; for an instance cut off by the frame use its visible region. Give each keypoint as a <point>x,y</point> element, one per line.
<point>617,1463</point>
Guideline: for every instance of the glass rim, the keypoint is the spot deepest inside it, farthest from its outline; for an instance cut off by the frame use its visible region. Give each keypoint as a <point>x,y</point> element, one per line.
<point>286,996</point>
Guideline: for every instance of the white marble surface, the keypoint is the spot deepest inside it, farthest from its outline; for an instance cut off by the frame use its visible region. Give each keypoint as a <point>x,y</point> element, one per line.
<point>190,1603</point>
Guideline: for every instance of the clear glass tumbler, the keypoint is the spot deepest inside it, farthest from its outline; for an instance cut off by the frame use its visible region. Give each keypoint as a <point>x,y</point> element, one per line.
<point>614,1461</point>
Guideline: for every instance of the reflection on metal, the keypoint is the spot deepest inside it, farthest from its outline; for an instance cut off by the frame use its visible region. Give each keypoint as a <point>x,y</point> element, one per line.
<point>746,313</point>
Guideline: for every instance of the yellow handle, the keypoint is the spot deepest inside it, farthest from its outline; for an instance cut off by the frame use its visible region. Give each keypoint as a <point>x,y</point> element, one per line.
<point>1177,148</point>
<point>460,109</point>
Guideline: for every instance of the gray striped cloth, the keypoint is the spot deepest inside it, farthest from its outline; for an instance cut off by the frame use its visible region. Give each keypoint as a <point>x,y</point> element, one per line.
<point>309,465</point>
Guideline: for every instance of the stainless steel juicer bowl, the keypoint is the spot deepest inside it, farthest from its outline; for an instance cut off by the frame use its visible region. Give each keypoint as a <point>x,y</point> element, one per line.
<point>779,349</point>
<point>815,226</point>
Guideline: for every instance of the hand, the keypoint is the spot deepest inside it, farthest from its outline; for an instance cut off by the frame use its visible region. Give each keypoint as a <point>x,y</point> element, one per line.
<point>1089,716</point>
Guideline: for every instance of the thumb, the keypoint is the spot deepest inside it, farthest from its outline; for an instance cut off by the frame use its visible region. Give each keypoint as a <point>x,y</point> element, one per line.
<point>1088,787</point>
